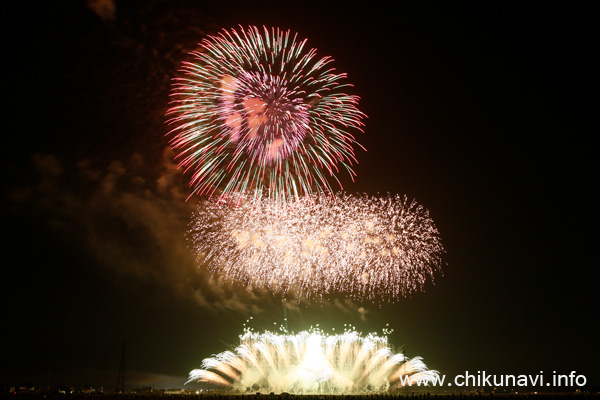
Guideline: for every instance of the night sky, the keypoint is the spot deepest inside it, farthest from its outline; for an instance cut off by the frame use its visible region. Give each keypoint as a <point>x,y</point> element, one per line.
<point>479,111</point>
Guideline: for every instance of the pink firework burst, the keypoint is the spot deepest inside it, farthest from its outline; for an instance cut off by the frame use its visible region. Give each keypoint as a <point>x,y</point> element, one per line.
<point>256,111</point>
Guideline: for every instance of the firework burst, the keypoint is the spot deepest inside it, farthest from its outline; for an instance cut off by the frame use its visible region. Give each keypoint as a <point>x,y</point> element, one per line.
<point>370,247</point>
<point>313,362</point>
<point>256,111</point>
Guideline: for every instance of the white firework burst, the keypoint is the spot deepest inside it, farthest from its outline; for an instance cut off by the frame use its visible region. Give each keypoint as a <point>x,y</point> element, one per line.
<point>313,362</point>
<point>369,247</point>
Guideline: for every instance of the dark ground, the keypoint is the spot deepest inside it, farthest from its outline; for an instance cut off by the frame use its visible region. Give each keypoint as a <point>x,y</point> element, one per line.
<point>553,396</point>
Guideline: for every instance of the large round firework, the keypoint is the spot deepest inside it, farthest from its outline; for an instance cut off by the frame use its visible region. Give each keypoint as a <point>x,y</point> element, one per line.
<point>256,110</point>
<point>378,248</point>
<point>313,362</point>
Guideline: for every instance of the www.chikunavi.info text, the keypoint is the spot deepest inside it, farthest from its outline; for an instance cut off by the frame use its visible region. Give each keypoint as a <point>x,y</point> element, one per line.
<point>482,378</point>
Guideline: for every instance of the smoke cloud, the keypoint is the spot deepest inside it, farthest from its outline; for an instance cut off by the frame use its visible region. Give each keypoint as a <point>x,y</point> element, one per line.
<point>131,222</point>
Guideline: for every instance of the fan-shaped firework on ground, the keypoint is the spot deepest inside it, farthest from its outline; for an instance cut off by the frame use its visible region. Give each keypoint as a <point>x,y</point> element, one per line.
<point>258,111</point>
<point>313,362</point>
<point>369,247</point>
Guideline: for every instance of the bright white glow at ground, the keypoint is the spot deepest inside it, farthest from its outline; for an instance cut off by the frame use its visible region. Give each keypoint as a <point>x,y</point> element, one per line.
<point>312,362</point>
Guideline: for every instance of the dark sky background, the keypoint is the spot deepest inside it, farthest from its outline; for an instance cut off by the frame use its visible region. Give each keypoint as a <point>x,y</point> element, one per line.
<point>480,111</point>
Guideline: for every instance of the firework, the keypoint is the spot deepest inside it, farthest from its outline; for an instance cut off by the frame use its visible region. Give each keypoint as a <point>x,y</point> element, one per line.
<point>258,111</point>
<point>313,362</point>
<point>369,247</point>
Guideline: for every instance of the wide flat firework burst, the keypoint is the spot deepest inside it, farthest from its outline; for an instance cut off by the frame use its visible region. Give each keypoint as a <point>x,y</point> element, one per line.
<point>377,248</point>
<point>313,362</point>
<point>257,111</point>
